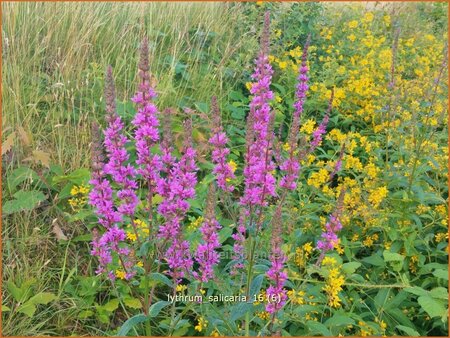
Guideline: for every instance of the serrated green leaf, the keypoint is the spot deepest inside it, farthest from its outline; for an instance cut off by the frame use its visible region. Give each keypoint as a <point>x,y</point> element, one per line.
<point>16,292</point>
<point>23,201</point>
<point>133,303</point>
<point>85,314</point>
<point>111,306</point>
<point>27,308</point>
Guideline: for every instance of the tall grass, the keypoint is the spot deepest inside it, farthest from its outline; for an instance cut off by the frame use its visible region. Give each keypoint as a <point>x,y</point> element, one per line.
<point>54,58</point>
<point>56,54</point>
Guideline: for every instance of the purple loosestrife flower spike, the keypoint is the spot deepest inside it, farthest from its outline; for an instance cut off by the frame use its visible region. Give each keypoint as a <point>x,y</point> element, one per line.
<point>320,131</point>
<point>338,165</point>
<point>146,122</point>
<point>329,238</point>
<point>177,188</point>
<point>275,292</point>
<point>219,140</point>
<point>291,165</point>
<point>122,174</point>
<point>258,179</point>
<point>101,198</point>
<point>239,245</point>
<point>101,195</point>
<point>206,254</point>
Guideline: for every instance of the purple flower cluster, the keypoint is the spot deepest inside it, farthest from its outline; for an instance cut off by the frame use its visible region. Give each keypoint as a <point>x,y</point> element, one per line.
<point>329,238</point>
<point>176,188</point>
<point>146,122</point>
<point>219,140</point>
<point>291,165</point>
<point>320,131</point>
<point>206,254</point>
<point>259,181</point>
<point>122,173</point>
<point>238,247</point>
<point>276,294</point>
<point>101,198</point>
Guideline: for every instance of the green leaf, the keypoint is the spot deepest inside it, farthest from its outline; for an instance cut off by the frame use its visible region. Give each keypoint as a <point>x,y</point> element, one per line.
<point>316,327</point>
<point>79,176</point>
<point>16,292</point>
<point>440,273</point>
<point>5,308</point>
<point>42,298</point>
<point>409,331</point>
<point>130,323</point>
<point>374,260</point>
<point>350,267</point>
<point>392,256</point>
<point>433,307</point>
<point>23,201</point>
<point>239,310</point>
<point>440,293</point>
<point>156,308</point>
<point>339,320</point>
<point>111,306</point>
<point>27,308</point>
<point>133,303</point>
<point>418,291</point>
<point>20,175</point>
<point>155,276</point>
<point>85,314</point>
<point>256,285</point>
<point>224,234</point>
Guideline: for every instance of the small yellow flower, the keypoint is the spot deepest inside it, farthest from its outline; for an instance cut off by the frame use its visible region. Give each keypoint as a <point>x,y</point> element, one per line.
<point>308,126</point>
<point>351,37</point>
<point>180,288</point>
<point>282,64</point>
<point>120,274</point>
<point>131,236</point>
<point>353,24</point>
<point>232,165</point>
<point>201,325</point>
<point>140,264</point>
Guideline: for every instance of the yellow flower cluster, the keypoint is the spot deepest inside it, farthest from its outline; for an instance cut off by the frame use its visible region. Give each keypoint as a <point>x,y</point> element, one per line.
<point>334,281</point>
<point>201,324</point>
<point>196,223</point>
<point>296,297</point>
<point>79,197</point>
<point>316,179</point>
<point>302,254</point>
<point>138,230</point>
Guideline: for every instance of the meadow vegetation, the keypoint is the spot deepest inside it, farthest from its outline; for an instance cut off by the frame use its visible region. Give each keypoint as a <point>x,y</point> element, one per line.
<point>372,144</point>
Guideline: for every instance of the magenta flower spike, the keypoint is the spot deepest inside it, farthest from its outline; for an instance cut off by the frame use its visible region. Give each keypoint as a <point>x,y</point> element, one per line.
<point>291,166</point>
<point>206,255</point>
<point>219,154</point>
<point>146,123</point>
<point>258,178</point>
<point>276,294</point>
